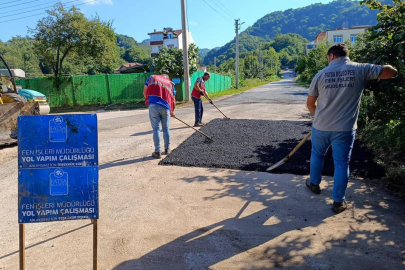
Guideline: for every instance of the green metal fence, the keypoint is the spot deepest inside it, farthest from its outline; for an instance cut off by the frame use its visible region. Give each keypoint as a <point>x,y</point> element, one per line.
<point>107,89</point>
<point>216,83</point>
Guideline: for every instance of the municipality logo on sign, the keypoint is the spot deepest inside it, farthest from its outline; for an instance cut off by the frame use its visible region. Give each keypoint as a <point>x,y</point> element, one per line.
<point>57,130</point>
<point>58,181</point>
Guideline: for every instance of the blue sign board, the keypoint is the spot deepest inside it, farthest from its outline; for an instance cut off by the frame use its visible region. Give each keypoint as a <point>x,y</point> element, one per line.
<point>176,80</point>
<point>58,168</point>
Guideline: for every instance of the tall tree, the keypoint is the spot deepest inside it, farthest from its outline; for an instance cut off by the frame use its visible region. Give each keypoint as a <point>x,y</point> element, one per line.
<point>170,61</point>
<point>67,32</point>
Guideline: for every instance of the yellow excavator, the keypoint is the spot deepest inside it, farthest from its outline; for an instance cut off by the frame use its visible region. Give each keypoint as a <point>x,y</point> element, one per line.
<point>15,101</point>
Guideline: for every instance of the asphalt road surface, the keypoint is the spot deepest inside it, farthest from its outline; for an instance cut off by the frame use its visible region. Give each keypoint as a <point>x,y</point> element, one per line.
<point>172,217</point>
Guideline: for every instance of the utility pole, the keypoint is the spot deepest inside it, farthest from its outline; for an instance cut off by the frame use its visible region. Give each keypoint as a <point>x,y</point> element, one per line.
<point>237,28</point>
<point>185,52</point>
<point>276,68</point>
<point>260,54</point>
<point>215,65</point>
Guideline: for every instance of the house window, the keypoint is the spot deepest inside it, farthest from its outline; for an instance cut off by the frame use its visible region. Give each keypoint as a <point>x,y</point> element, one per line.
<point>156,37</point>
<point>338,39</point>
<point>159,48</point>
<point>170,36</point>
<point>353,38</point>
<point>170,46</point>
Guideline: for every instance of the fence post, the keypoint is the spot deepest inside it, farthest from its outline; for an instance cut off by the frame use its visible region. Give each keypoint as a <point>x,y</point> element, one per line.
<point>73,91</point>
<point>108,88</point>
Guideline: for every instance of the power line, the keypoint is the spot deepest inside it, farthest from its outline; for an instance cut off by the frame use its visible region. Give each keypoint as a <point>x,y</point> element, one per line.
<point>216,10</point>
<point>15,1</point>
<point>45,12</point>
<point>37,9</point>
<point>39,5</point>
<point>225,11</point>
<point>19,4</point>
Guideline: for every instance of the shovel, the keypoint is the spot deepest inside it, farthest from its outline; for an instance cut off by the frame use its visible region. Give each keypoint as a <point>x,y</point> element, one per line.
<point>284,160</point>
<point>209,138</point>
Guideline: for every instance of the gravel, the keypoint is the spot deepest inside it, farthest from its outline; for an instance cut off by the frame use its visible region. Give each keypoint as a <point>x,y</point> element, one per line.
<point>254,145</point>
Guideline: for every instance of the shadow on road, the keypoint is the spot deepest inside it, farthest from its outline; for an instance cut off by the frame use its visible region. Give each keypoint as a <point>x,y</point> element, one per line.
<point>150,131</point>
<point>124,161</point>
<point>43,242</point>
<point>282,224</point>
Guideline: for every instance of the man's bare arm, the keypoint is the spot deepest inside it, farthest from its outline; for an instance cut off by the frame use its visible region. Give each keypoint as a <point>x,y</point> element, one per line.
<point>197,84</point>
<point>388,72</point>
<point>311,104</point>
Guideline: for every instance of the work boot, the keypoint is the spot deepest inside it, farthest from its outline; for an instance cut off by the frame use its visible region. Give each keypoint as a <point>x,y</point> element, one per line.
<point>198,125</point>
<point>167,151</point>
<point>339,207</point>
<point>314,188</point>
<point>156,155</point>
<point>202,123</point>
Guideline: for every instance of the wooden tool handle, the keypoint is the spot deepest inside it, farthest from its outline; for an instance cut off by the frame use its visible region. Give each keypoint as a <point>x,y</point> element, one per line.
<point>299,145</point>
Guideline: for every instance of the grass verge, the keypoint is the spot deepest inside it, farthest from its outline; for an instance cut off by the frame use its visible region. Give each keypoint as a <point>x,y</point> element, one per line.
<point>246,85</point>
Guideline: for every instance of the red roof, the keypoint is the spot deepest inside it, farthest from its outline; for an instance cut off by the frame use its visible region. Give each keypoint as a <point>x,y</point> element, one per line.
<point>131,65</point>
<point>177,32</point>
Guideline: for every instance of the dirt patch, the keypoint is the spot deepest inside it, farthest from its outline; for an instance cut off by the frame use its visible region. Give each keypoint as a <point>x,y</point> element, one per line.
<point>254,145</point>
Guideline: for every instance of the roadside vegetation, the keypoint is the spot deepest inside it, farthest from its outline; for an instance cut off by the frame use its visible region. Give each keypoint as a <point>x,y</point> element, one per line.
<point>65,42</point>
<point>382,113</point>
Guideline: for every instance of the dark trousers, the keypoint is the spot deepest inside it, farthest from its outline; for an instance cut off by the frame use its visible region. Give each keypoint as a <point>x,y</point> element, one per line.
<point>198,109</point>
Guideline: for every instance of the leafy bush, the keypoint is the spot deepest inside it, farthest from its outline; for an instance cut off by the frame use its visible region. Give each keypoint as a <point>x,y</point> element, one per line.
<point>382,116</point>
<point>309,65</point>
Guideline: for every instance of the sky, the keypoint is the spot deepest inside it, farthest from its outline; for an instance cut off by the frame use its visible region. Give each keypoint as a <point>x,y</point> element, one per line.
<point>211,22</point>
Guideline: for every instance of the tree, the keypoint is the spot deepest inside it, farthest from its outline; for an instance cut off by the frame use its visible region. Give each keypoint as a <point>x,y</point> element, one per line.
<point>19,53</point>
<point>67,32</point>
<point>136,54</point>
<point>170,61</point>
<point>309,65</point>
<point>382,117</point>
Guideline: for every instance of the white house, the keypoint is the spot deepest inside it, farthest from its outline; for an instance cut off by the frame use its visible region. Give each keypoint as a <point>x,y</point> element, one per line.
<point>168,38</point>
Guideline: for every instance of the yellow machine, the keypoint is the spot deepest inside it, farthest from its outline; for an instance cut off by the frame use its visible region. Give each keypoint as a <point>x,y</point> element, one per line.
<point>13,104</point>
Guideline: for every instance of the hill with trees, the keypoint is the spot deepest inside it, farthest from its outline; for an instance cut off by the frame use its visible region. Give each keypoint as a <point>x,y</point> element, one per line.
<point>307,22</point>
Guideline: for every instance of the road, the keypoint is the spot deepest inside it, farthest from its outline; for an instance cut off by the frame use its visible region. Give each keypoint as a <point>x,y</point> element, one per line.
<point>168,217</point>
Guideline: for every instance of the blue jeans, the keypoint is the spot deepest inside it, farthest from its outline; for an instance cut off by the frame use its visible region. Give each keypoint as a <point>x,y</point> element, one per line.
<point>198,109</point>
<point>159,114</point>
<point>342,145</point>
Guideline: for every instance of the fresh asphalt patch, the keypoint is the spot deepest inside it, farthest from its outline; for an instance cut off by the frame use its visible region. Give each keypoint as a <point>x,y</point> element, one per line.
<point>254,145</point>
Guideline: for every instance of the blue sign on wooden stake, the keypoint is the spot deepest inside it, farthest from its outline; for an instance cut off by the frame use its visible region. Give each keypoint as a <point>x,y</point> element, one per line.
<point>58,168</point>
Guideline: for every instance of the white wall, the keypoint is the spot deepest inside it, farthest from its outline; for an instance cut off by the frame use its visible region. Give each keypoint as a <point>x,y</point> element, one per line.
<point>155,49</point>
<point>189,40</point>
<point>172,41</point>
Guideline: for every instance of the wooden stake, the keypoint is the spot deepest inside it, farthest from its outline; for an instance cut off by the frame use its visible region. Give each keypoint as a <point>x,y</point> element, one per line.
<point>22,246</point>
<point>95,242</point>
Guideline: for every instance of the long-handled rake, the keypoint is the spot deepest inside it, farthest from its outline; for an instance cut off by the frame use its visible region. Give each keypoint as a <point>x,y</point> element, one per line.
<point>284,160</point>
<point>202,133</point>
<point>210,101</point>
<point>218,109</point>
